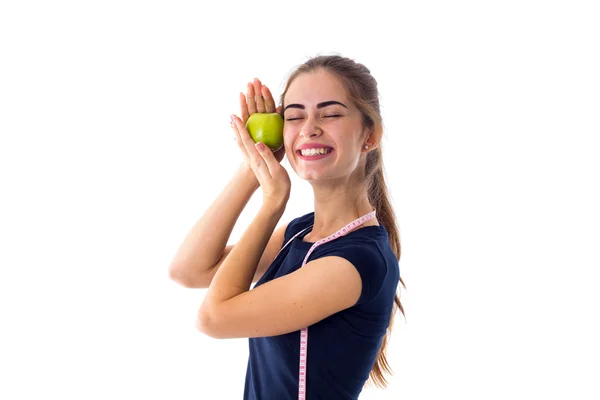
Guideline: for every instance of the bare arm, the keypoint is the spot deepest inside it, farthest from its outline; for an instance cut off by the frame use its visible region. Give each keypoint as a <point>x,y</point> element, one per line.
<point>204,279</point>
<point>204,246</point>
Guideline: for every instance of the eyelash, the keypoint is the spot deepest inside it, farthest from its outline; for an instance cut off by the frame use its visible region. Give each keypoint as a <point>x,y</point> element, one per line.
<point>327,116</point>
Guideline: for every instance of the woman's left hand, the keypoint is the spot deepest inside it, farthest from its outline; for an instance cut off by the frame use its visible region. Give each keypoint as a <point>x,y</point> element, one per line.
<point>273,178</point>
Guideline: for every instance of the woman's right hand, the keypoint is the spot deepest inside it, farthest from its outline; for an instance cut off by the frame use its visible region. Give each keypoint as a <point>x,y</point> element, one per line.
<point>258,99</point>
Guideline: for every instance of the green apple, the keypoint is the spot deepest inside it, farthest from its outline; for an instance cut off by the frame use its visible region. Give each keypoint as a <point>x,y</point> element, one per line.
<point>266,128</point>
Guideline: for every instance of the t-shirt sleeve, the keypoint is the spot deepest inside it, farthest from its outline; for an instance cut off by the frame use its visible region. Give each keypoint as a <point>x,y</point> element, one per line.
<point>370,264</point>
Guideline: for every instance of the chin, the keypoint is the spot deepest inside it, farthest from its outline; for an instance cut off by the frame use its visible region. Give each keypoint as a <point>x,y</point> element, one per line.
<point>316,176</point>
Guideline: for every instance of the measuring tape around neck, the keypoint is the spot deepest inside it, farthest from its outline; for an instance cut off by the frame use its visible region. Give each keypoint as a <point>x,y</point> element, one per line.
<point>304,332</point>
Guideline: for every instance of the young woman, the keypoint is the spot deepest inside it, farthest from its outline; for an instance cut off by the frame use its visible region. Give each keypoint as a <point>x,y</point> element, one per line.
<point>320,314</point>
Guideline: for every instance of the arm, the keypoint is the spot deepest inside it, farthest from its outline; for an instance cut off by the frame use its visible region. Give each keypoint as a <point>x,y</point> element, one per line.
<point>203,247</point>
<point>203,250</point>
<point>235,274</point>
<point>317,290</point>
<point>203,281</point>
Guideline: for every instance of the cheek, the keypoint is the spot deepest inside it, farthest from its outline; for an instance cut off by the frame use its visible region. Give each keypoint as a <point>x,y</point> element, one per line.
<point>289,137</point>
<point>289,131</point>
<point>288,142</point>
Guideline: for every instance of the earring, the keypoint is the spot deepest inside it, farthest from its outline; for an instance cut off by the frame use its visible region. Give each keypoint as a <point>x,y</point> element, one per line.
<point>366,147</point>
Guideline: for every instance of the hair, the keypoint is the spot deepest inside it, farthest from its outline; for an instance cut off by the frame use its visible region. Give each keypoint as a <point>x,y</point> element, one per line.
<point>361,88</point>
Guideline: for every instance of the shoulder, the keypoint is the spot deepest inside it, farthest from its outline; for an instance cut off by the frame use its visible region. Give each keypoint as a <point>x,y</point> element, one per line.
<point>366,256</point>
<point>297,224</point>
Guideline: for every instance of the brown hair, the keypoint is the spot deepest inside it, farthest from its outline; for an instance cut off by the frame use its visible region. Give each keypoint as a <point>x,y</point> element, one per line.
<point>361,88</point>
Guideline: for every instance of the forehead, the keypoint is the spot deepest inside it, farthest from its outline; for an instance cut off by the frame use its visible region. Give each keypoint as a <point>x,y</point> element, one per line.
<point>314,87</point>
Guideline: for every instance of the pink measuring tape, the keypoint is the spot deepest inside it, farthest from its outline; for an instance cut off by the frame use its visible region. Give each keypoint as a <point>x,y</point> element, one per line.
<point>304,332</point>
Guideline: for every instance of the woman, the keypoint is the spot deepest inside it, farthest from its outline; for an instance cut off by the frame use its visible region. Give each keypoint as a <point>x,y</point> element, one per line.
<point>334,270</point>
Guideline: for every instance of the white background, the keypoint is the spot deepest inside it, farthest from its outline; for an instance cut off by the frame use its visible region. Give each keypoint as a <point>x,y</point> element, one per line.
<point>115,137</point>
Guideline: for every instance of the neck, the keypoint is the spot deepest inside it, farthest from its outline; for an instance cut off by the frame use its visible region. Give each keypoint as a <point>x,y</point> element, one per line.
<point>335,207</point>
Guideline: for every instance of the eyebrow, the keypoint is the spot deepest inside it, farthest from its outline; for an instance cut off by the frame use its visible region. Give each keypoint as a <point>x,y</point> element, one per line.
<point>320,105</point>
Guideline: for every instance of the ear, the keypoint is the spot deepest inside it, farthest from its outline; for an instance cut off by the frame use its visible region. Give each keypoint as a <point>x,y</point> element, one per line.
<point>372,138</point>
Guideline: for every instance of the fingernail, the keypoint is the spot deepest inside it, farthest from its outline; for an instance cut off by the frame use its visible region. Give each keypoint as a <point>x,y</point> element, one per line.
<point>260,146</point>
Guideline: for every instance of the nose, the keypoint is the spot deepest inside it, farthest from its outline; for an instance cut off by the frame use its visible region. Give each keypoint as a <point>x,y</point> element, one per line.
<point>311,129</point>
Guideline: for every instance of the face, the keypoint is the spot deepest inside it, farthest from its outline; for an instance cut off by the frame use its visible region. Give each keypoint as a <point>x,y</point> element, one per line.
<point>317,112</point>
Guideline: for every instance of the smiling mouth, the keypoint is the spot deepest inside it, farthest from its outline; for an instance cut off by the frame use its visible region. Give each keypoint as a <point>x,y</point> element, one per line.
<point>318,152</point>
<point>314,155</point>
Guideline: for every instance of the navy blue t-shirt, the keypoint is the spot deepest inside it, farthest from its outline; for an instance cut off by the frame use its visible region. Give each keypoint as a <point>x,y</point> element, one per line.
<point>343,347</point>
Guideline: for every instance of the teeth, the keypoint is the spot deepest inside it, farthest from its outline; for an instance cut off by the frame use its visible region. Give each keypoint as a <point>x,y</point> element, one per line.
<point>314,152</point>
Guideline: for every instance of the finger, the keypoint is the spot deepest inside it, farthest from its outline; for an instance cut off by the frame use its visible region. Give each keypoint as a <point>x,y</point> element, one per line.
<point>269,102</point>
<point>237,138</point>
<point>278,110</point>
<point>248,143</point>
<point>250,99</point>
<point>244,108</point>
<point>260,102</point>
<point>268,157</point>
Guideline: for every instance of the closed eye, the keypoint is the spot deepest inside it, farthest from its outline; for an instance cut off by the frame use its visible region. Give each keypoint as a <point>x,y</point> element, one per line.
<point>332,116</point>
<point>326,116</point>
